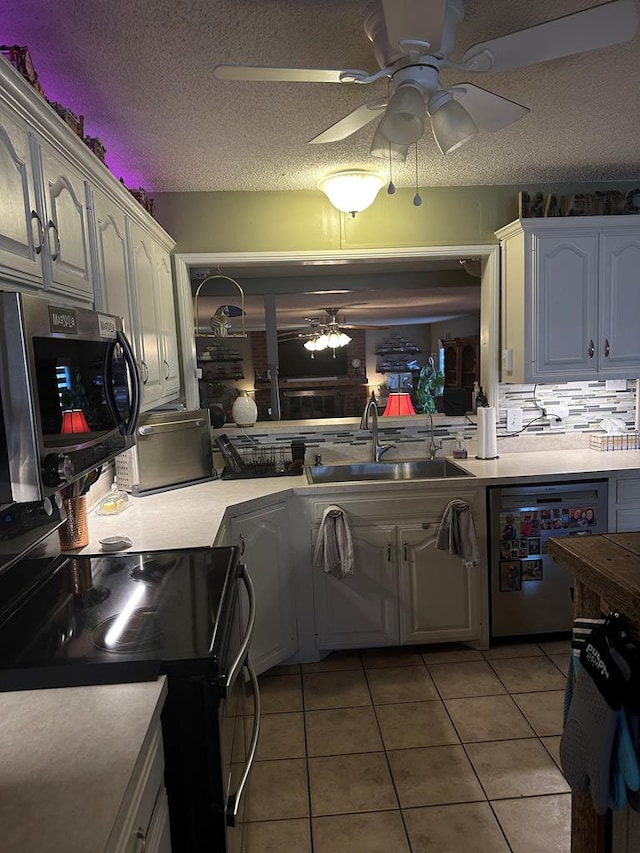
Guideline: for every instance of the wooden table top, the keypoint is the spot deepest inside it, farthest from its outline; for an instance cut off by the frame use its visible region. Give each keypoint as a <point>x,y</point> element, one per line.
<point>608,564</point>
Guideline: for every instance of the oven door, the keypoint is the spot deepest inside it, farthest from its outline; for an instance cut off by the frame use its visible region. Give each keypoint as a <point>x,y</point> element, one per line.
<point>240,725</point>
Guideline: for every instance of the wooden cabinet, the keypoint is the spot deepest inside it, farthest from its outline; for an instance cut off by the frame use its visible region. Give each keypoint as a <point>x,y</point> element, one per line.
<point>264,538</point>
<point>403,589</point>
<point>462,364</point>
<point>570,298</point>
<point>111,251</point>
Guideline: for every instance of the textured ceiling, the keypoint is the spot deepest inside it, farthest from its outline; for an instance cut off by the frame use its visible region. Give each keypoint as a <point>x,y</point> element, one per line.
<point>141,74</point>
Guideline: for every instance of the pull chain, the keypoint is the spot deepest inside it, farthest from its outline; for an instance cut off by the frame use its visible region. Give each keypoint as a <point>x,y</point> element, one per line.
<point>417,199</point>
<point>392,187</point>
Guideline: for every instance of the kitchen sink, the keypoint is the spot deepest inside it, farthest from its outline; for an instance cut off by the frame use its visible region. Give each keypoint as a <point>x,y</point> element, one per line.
<point>415,469</point>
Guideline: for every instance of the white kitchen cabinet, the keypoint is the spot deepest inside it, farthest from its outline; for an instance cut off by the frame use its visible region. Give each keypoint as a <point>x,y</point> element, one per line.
<point>20,232</point>
<point>263,536</point>
<point>143,822</point>
<point>360,610</point>
<point>569,298</point>
<point>154,328</point>
<point>403,589</point>
<point>44,233</point>
<point>624,503</point>
<point>66,254</point>
<point>438,595</point>
<point>111,258</point>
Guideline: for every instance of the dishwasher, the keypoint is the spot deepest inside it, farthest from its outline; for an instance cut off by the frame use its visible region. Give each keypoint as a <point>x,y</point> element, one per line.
<point>530,593</point>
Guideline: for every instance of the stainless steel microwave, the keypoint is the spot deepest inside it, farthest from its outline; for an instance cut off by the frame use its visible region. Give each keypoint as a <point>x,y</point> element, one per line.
<point>69,395</point>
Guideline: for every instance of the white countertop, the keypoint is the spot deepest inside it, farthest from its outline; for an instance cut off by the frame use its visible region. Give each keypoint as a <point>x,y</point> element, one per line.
<point>191,516</point>
<point>66,758</point>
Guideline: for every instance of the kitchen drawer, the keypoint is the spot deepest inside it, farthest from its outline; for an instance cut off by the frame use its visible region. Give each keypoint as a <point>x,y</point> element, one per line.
<point>133,825</point>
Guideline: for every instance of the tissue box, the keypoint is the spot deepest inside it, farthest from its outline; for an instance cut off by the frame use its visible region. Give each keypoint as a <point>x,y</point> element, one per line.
<point>628,441</point>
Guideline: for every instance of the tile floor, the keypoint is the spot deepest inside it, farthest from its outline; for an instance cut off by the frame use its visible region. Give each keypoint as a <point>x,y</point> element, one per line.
<point>438,750</point>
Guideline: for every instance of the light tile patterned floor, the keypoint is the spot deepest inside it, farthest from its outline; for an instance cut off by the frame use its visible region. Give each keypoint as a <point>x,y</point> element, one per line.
<point>438,750</point>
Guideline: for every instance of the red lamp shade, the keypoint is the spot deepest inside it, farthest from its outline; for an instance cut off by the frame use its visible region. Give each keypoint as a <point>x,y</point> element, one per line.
<point>399,404</point>
<point>73,420</point>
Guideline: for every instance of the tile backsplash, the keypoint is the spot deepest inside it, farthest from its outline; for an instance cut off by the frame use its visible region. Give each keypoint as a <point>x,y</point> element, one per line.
<point>588,404</point>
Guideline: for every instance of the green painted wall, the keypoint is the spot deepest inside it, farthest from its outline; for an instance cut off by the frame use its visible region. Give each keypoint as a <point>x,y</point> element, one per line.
<point>306,221</point>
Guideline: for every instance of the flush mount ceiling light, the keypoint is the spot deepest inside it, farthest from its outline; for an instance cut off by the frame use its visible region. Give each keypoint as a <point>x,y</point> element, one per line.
<point>352,190</point>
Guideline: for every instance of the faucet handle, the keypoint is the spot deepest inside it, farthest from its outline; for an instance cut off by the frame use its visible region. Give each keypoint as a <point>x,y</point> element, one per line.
<point>382,449</point>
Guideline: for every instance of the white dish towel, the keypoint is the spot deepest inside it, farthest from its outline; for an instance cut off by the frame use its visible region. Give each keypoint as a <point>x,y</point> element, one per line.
<point>457,533</point>
<point>334,546</point>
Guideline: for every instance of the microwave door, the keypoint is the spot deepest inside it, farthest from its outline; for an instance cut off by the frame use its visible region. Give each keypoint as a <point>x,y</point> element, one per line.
<point>128,419</point>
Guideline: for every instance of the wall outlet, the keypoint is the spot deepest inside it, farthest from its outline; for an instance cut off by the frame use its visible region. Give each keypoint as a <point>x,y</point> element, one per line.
<point>514,420</point>
<point>557,412</point>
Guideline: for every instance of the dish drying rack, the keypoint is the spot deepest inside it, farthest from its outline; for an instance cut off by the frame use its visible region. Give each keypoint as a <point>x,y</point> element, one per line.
<point>263,460</point>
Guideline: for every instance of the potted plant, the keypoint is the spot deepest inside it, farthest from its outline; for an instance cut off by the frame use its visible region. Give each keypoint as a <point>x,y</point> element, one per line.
<point>429,386</point>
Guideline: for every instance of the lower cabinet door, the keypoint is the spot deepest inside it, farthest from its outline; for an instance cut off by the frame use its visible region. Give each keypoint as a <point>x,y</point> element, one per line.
<point>360,610</point>
<point>438,595</point>
<point>264,535</point>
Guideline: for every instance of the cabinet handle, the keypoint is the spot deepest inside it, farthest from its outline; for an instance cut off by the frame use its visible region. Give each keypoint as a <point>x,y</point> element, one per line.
<point>145,372</point>
<point>168,371</point>
<point>51,225</point>
<point>607,348</point>
<point>141,840</point>
<point>388,552</point>
<point>242,543</point>
<point>35,216</point>
<point>591,349</point>
<point>406,551</point>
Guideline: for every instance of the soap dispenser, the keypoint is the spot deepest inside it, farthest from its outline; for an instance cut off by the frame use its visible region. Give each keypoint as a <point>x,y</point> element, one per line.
<point>460,449</point>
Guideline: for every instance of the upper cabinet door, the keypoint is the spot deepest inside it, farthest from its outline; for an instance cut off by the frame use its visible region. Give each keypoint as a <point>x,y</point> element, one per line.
<point>21,233</point>
<point>66,226</point>
<point>167,320</point>
<point>619,345</point>
<point>564,286</point>
<point>147,315</point>
<point>112,259</point>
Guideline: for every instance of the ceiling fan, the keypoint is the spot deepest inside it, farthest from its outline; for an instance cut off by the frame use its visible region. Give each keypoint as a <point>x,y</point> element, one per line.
<point>329,331</point>
<point>413,39</point>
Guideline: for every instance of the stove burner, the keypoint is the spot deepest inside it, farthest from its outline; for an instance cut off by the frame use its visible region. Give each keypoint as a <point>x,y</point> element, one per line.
<point>139,632</point>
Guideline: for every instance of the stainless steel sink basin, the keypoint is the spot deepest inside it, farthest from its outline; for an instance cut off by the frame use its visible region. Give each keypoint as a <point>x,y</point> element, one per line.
<point>417,469</point>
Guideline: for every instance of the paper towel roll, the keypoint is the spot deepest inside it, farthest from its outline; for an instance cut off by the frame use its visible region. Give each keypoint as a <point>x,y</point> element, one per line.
<point>487,438</point>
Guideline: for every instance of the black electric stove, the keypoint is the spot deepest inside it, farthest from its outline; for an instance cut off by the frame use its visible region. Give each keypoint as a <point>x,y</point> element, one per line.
<point>115,617</point>
<point>80,620</point>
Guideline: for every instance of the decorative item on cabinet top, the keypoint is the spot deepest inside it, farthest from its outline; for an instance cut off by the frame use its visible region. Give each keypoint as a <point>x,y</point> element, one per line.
<point>600,203</point>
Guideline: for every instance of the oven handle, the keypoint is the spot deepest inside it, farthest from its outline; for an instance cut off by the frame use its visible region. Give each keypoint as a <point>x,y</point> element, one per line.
<point>233,803</point>
<point>126,427</point>
<point>244,645</point>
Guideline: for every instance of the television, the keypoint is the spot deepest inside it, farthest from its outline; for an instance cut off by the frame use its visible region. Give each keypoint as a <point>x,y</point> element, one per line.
<point>295,361</point>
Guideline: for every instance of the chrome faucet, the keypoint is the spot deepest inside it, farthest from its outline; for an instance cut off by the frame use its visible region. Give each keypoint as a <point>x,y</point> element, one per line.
<point>433,446</point>
<point>377,450</point>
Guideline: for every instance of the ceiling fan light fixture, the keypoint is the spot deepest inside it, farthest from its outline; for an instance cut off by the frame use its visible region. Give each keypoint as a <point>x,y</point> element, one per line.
<point>383,149</point>
<point>321,342</point>
<point>344,339</point>
<point>404,118</point>
<point>352,190</point>
<point>451,124</point>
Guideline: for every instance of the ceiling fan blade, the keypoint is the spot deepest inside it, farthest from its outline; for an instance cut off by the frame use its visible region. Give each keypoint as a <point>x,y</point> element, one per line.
<point>283,75</point>
<point>489,111</point>
<point>600,26</point>
<point>361,116</point>
<point>414,20</point>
